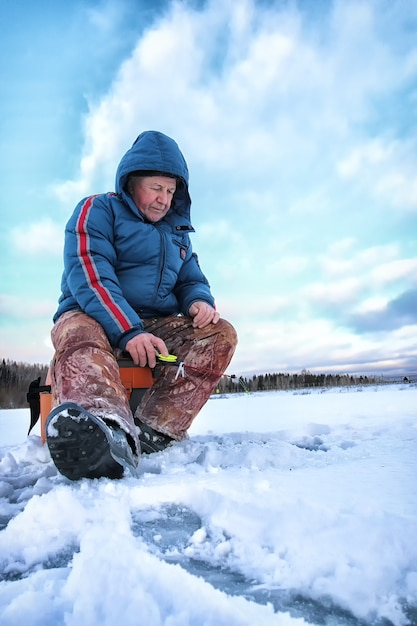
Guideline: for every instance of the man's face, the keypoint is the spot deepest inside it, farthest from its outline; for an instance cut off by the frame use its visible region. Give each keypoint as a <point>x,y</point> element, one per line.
<point>152,195</point>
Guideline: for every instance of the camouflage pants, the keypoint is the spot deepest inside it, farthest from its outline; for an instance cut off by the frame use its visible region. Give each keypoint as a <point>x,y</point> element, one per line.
<point>85,371</point>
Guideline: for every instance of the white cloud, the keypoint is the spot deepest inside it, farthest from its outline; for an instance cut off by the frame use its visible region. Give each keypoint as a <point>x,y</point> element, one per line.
<point>374,304</point>
<point>371,154</point>
<point>340,292</point>
<point>386,168</point>
<point>317,345</point>
<point>105,17</point>
<point>36,347</point>
<point>356,280</point>
<point>219,230</point>
<point>345,258</point>
<point>395,271</point>
<point>399,188</point>
<point>249,108</point>
<point>38,238</point>
<point>20,307</point>
<point>245,90</point>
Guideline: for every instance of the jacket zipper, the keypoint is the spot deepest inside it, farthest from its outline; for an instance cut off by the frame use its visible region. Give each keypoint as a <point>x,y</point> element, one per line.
<point>163,259</point>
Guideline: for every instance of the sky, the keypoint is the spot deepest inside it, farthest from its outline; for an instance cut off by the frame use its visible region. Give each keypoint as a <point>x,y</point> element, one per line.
<point>298,120</point>
<point>306,517</point>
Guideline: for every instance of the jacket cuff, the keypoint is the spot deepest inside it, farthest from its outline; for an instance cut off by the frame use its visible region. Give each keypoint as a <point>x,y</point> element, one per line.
<point>127,336</point>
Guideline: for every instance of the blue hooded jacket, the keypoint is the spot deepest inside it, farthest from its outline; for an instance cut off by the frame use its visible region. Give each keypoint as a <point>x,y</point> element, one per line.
<point>119,268</point>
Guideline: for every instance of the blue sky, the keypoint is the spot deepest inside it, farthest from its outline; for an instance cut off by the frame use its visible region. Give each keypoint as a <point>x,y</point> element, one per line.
<point>299,124</point>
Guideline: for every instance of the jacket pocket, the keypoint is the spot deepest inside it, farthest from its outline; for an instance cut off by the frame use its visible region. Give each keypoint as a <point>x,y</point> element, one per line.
<point>183,248</point>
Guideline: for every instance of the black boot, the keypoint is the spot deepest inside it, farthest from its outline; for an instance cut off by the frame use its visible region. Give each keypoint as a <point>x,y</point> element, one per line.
<point>151,440</point>
<point>82,445</point>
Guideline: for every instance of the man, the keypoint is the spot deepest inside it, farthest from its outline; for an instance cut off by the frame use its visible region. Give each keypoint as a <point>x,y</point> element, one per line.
<point>132,283</point>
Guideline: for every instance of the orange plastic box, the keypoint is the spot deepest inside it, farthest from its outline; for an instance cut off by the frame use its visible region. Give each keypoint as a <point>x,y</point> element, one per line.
<point>135,379</point>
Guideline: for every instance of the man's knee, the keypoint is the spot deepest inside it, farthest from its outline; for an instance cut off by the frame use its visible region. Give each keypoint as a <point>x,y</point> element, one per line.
<point>76,328</point>
<point>228,331</point>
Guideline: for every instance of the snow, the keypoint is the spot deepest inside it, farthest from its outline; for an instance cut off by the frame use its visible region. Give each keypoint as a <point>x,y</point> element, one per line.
<point>282,508</point>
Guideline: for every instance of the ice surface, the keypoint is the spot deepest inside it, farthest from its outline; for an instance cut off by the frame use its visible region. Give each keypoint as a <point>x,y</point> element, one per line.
<point>281,508</point>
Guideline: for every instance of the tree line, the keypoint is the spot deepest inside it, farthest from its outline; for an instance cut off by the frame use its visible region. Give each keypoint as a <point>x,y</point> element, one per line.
<point>15,379</point>
<point>286,381</point>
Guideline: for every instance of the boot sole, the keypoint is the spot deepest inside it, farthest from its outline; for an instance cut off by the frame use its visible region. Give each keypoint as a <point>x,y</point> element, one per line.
<point>83,446</point>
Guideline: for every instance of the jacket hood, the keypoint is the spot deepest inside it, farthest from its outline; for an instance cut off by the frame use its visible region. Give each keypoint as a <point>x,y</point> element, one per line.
<point>155,152</point>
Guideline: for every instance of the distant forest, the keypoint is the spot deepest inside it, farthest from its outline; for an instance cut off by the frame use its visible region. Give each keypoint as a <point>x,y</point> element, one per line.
<point>15,379</point>
<point>303,380</point>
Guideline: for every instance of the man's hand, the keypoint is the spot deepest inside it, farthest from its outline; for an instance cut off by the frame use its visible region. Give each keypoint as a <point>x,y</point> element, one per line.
<point>144,347</point>
<point>203,314</point>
